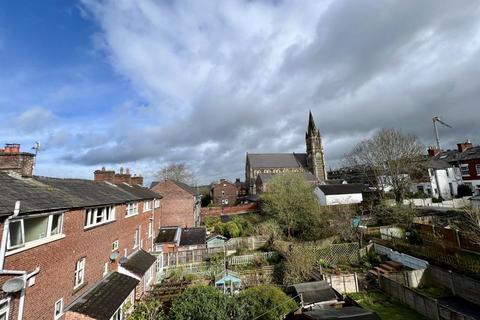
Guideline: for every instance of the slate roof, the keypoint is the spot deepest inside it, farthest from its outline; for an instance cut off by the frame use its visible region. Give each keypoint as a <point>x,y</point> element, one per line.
<point>332,189</point>
<point>139,262</point>
<point>139,191</point>
<point>193,236</point>
<point>455,155</point>
<point>184,186</point>
<point>438,164</point>
<point>166,235</point>
<point>341,313</point>
<point>314,292</point>
<point>105,297</point>
<point>277,160</point>
<point>308,176</point>
<point>39,194</point>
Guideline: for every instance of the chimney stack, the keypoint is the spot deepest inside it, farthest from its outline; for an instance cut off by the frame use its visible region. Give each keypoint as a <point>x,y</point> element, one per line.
<point>123,177</point>
<point>432,151</point>
<point>12,159</point>
<point>104,175</point>
<point>464,146</point>
<point>137,180</point>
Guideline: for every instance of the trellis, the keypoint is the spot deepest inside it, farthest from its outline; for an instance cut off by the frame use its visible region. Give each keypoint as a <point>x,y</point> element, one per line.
<point>337,253</point>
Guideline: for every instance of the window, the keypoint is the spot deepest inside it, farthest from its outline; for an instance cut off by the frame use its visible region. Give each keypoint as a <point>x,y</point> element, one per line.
<point>464,170</point>
<point>136,238</point>
<point>105,269</point>
<point>29,230</point>
<point>58,311</point>
<point>150,229</point>
<point>79,273</point>
<point>132,209</point>
<point>157,203</point>
<point>100,215</point>
<point>4,309</point>
<point>147,206</point>
<point>477,167</point>
<point>448,175</point>
<point>115,245</point>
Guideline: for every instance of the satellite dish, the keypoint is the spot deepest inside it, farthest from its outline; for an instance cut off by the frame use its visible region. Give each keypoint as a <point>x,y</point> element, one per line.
<point>114,256</point>
<point>123,260</point>
<point>13,285</point>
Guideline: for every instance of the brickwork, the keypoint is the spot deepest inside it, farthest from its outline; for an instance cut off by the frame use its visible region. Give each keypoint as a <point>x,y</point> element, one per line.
<point>177,205</point>
<point>224,191</point>
<point>21,163</point>
<point>57,259</point>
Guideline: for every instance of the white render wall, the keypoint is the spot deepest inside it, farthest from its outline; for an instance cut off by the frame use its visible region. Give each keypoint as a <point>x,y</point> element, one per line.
<point>441,179</point>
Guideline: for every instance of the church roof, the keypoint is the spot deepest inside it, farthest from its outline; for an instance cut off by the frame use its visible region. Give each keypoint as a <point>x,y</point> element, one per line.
<point>277,160</point>
<point>308,176</point>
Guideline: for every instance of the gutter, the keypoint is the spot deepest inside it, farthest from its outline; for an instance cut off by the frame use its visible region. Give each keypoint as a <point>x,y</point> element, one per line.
<point>24,275</point>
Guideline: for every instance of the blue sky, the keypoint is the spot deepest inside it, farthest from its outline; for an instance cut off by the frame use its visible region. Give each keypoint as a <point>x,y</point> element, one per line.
<point>141,84</point>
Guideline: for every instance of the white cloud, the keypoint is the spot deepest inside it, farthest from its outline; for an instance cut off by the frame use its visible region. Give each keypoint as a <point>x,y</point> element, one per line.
<point>225,77</point>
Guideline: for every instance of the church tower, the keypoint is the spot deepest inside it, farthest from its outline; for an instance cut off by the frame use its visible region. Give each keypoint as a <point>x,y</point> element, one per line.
<point>315,155</point>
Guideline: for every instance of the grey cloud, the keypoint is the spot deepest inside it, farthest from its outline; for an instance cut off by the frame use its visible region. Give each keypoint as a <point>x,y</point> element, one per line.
<point>224,79</point>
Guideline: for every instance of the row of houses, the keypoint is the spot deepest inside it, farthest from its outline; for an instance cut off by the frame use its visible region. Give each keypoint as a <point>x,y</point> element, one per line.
<point>85,249</point>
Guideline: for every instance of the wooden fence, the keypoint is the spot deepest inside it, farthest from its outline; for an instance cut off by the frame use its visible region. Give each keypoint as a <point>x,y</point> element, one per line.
<point>426,306</point>
<point>250,258</point>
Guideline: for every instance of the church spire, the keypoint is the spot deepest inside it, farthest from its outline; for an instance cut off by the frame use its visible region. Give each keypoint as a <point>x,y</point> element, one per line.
<point>311,123</point>
<point>315,155</point>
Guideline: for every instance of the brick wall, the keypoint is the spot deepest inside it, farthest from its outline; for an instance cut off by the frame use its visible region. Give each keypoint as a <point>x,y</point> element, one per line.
<point>177,205</point>
<point>57,259</point>
<point>21,163</point>
<point>240,209</point>
<point>224,190</point>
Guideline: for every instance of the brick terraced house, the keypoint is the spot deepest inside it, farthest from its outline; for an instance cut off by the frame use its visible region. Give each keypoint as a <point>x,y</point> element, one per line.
<point>181,203</point>
<point>224,193</point>
<point>72,248</point>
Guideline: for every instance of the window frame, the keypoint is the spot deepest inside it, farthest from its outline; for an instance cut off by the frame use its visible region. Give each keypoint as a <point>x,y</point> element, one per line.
<point>115,245</point>
<point>55,315</point>
<point>48,235</point>
<point>132,209</point>
<point>136,238</point>
<point>147,205</point>
<point>464,166</point>
<point>78,271</point>
<point>91,216</point>
<point>5,310</point>
<point>105,269</point>
<point>150,229</point>
<point>156,203</point>
<point>477,168</point>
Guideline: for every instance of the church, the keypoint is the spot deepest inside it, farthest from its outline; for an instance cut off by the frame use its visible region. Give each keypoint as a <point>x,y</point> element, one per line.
<point>261,167</point>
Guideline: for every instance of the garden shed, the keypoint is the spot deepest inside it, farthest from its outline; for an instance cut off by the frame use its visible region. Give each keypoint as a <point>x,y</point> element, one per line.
<point>228,282</point>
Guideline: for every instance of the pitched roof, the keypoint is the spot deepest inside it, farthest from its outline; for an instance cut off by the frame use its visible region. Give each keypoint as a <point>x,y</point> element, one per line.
<point>438,164</point>
<point>139,262</point>
<point>455,155</point>
<point>166,235</point>
<point>313,292</point>
<point>38,194</point>
<point>308,176</point>
<point>184,186</point>
<point>139,191</point>
<point>105,297</point>
<point>349,188</point>
<point>193,236</point>
<point>277,160</point>
<point>350,312</point>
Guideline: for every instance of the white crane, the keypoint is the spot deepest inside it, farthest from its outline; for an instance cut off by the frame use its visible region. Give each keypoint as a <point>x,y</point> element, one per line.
<point>436,119</point>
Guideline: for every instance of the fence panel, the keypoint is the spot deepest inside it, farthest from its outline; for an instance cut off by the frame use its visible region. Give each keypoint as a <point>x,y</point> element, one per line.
<point>405,259</point>
<point>250,258</point>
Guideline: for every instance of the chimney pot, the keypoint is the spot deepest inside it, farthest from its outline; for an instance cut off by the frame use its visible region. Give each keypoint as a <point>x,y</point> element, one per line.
<point>11,159</point>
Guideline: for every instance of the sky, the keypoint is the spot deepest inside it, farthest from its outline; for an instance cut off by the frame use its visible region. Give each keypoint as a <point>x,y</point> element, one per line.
<point>142,84</point>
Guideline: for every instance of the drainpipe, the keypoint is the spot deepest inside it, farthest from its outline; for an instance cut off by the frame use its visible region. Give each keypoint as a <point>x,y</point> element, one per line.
<point>21,273</point>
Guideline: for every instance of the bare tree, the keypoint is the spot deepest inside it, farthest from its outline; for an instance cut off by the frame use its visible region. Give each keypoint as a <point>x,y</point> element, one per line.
<point>390,156</point>
<point>175,171</point>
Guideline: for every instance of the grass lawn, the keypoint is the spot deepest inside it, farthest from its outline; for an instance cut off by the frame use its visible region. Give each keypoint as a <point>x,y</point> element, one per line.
<point>387,309</point>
